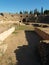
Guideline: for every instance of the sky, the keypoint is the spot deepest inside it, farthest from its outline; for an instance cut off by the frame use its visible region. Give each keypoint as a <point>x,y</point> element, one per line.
<point>22,5</point>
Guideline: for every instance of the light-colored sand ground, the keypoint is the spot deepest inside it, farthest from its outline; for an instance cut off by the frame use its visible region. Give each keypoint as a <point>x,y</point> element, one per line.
<point>14,40</point>
<point>22,48</point>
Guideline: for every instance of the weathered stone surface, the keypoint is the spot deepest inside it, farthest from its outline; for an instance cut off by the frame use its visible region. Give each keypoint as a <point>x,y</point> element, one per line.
<point>44,51</point>
<point>6,33</point>
<point>3,36</point>
<point>43,32</point>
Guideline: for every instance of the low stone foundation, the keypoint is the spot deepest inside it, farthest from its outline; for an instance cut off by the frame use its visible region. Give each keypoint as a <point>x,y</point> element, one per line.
<point>43,32</point>
<point>44,44</point>
<point>6,33</point>
<point>44,51</point>
<point>3,36</point>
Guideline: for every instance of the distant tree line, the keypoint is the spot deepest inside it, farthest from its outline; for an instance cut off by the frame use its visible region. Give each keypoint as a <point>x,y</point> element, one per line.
<point>26,12</point>
<point>32,12</point>
<point>36,11</point>
<point>45,12</point>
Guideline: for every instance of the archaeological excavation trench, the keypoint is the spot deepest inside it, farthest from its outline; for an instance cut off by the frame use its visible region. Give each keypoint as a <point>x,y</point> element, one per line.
<point>25,45</point>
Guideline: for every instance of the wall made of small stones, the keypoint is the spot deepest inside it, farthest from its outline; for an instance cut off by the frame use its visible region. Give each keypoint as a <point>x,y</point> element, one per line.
<point>41,33</point>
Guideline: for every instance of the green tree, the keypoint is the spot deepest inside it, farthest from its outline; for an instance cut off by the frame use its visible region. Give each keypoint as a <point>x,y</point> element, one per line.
<point>25,12</point>
<point>20,12</point>
<point>31,12</point>
<point>1,14</point>
<point>41,10</point>
<point>36,12</point>
<point>46,12</point>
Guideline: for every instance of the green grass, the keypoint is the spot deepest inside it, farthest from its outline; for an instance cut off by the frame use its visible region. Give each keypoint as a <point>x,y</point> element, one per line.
<point>24,27</point>
<point>15,32</point>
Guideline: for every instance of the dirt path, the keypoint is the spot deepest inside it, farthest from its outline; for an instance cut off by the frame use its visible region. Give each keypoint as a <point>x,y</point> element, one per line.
<point>22,49</point>
<point>13,41</point>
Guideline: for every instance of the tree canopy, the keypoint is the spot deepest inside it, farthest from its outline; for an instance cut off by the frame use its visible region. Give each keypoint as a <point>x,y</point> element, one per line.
<point>31,12</point>
<point>46,12</point>
<point>21,12</point>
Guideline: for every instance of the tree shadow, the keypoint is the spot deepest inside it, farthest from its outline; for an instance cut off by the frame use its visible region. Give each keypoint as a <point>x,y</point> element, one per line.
<point>28,54</point>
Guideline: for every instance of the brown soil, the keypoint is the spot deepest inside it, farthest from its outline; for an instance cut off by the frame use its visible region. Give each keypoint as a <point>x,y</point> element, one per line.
<point>22,49</point>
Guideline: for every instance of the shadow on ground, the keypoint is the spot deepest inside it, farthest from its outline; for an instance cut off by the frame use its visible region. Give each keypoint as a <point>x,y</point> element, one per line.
<point>28,54</point>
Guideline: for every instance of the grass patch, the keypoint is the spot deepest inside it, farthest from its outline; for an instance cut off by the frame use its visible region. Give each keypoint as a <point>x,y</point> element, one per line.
<point>15,32</point>
<point>22,27</point>
<point>25,27</point>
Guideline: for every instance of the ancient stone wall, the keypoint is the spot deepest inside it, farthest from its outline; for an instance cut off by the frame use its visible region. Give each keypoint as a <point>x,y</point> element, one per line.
<point>41,33</point>
<point>3,36</point>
